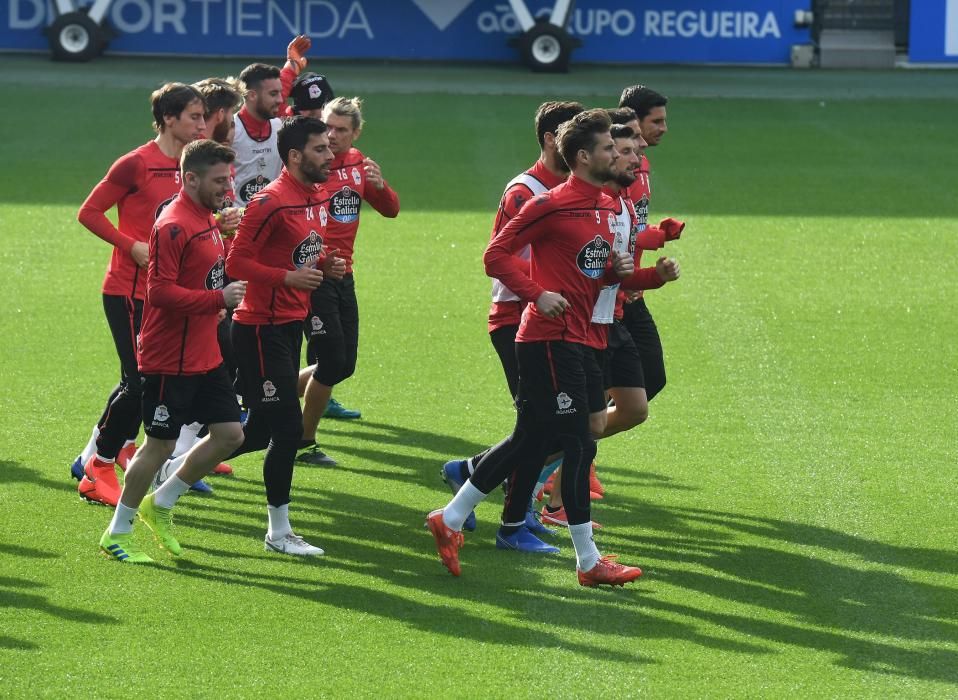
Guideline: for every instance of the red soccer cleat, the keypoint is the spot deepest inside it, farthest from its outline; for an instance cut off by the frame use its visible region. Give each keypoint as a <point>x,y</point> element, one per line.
<point>99,484</point>
<point>448,541</point>
<point>546,489</point>
<point>222,468</point>
<point>558,517</point>
<point>595,486</point>
<point>124,456</point>
<point>608,571</point>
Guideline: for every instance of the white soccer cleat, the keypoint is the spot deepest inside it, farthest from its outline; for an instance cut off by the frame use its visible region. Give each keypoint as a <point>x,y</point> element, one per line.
<point>292,543</point>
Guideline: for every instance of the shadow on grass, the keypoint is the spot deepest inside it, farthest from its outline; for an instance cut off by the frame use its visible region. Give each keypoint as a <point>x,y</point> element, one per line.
<point>16,644</point>
<point>767,583</point>
<point>14,596</point>
<point>445,446</point>
<point>17,473</point>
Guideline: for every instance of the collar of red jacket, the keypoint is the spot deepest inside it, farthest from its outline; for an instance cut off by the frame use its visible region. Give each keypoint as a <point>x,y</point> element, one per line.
<point>256,128</point>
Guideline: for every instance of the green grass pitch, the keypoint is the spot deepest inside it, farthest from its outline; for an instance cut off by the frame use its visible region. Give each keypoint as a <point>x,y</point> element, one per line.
<point>792,499</point>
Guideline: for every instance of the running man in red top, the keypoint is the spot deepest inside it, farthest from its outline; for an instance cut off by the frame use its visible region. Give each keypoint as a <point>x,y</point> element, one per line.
<point>650,109</point>
<point>140,184</point>
<point>184,379</point>
<point>333,322</point>
<point>571,231</point>
<point>505,312</point>
<point>279,251</point>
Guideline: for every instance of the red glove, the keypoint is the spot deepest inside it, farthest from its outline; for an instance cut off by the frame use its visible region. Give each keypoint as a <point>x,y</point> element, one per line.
<point>673,228</point>
<point>296,52</point>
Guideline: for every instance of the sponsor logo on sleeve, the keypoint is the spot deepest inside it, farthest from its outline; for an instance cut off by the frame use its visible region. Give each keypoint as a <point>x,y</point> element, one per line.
<point>593,257</point>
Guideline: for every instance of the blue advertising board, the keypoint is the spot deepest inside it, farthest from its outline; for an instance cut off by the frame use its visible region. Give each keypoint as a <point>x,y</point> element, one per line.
<point>933,32</point>
<point>613,31</point>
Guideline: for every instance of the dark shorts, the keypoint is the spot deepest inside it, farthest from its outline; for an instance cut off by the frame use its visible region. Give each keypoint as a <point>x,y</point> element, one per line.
<point>642,328</point>
<point>504,341</point>
<point>267,363</point>
<point>332,330</point>
<point>622,362</point>
<point>172,401</point>
<point>559,379</point>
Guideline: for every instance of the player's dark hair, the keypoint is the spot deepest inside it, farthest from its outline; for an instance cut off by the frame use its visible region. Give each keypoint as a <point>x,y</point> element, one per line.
<point>580,132</point>
<point>170,101</point>
<point>622,115</point>
<point>255,73</point>
<point>551,114</point>
<point>642,100</point>
<point>621,131</point>
<point>219,93</point>
<point>201,155</point>
<point>295,133</point>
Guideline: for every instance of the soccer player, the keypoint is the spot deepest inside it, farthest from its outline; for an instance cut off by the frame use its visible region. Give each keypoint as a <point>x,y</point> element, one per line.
<point>650,109</point>
<point>624,379</point>
<point>257,159</point>
<point>570,231</point>
<point>277,250</point>
<point>140,184</point>
<point>223,99</point>
<point>183,374</point>
<point>505,312</point>
<point>333,322</point>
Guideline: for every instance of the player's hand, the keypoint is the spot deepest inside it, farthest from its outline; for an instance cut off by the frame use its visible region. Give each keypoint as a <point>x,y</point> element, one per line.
<point>673,228</point>
<point>304,278</point>
<point>551,304</point>
<point>632,296</point>
<point>228,220</point>
<point>233,294</point>
<point>622,264</point>
<point>334,268</point>
<point>221,315</point>
<point>296,52</point>
<point>140,252</point>
<point>374,175</point>
<point>668,269</point>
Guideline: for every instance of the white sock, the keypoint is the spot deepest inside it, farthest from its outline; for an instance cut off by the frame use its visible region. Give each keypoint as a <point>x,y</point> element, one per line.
<point>122,522</point>
<point>188,438</point>
<point>170,491</point>
<point>461,505</point>
<point>279,525</point>
<point>90,448</point>
<point>586,553</point>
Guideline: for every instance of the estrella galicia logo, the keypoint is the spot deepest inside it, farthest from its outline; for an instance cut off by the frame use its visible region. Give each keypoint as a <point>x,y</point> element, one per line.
<point>216,275</point>
<point>642,212</point>
<point>307,252</point>
<point>163,205</point>
<point>593,257</point>
<point>252,187</point>
<point>345,205</point>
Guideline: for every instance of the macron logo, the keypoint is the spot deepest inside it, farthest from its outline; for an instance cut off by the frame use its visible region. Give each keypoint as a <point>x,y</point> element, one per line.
<point>442,13</point>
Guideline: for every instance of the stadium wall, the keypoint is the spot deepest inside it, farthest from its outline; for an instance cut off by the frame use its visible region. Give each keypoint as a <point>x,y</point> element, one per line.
<point>613,31</point>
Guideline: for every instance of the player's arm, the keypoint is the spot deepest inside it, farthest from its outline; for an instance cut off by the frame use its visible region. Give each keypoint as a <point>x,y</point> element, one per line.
<point>672,227</point>
<point>665,270</point>
<point>650,238</point>
<point>377,191</point>
<point>163,289</point>
<point>500,257</point>
<point>295,63</point>
<point>121,179</point>
<point>255,229</point>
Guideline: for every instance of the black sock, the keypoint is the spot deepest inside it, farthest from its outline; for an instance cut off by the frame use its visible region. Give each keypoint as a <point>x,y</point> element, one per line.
<point>550,509</point>
<point>506,530</point>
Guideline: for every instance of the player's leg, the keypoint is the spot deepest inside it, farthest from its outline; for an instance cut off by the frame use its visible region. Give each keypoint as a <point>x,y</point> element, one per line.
<point>327,350</point>
<point>644,332</point>
<point>122,417</point>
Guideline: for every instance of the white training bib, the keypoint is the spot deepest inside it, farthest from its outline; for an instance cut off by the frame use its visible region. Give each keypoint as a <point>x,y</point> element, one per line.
<point>257,162</point>
<point>620,226</point>
<point>501,292</point>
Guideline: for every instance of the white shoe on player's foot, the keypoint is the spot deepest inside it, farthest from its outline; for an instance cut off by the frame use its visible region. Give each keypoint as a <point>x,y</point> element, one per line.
<point>292,543</point>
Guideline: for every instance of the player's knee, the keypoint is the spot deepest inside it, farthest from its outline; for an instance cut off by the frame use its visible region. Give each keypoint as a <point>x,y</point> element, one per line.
<point>229,435</point>
<point>333,369</point>
<point>286,425</point>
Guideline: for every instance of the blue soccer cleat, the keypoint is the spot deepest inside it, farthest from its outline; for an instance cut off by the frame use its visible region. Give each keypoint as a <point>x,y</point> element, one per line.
<point>334,409</point>
<point>452,474</point>
<point>201,487</point>
<point>76,469</point>
<point>524,541</point>
<point>535,526</point>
